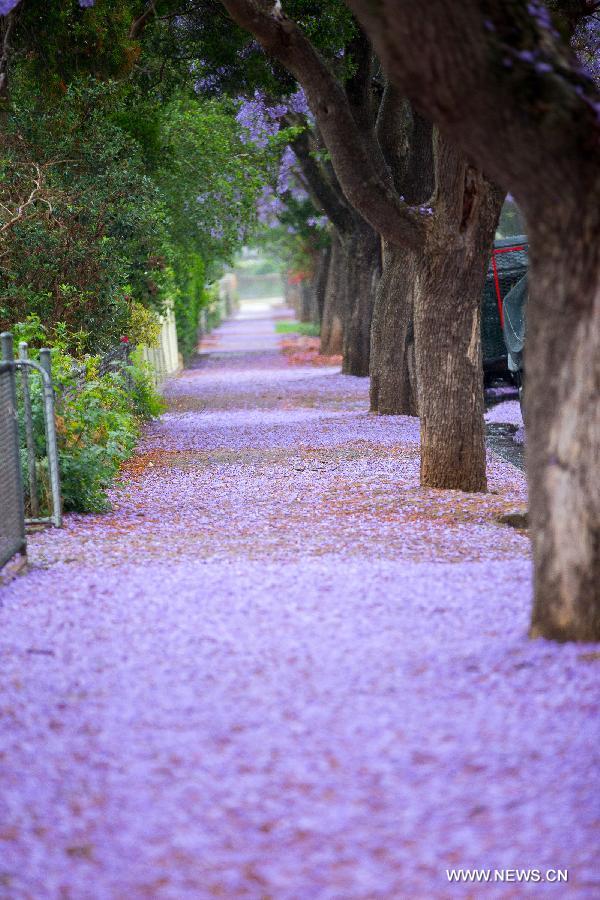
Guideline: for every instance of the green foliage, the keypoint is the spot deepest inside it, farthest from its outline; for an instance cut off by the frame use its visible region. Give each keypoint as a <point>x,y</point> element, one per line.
<point>214,307</point>
<point>97,429</point>
<point>307,328</point>
<point>81,216</point>
<point>227,60</point>
<point>144,398</point>
<point>144,326</point>
<point>329,25</point>
<point>122,191</point>
<point>98,418</point>
<point>114,198</point>
<point>75,41</point>
<point>189,297</point>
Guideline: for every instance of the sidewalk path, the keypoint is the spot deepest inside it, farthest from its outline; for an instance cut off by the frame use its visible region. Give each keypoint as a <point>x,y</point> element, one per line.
<point>280,669</point>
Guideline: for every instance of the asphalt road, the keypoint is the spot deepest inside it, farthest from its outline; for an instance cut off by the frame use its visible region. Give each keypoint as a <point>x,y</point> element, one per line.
<point>500,435</point>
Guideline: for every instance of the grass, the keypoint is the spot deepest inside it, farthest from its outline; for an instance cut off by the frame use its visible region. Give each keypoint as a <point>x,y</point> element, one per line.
<point>308,328</point>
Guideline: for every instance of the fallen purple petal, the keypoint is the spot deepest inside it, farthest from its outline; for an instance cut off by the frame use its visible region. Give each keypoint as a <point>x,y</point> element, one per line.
<point>279,668</point>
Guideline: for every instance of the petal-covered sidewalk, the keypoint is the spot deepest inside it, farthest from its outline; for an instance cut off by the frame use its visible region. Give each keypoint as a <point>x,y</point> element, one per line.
<point>280,669</point>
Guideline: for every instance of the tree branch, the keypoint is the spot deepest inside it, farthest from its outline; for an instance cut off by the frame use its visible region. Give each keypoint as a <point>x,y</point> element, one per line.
<point>332,203</point>
<point>139,24</point>
<point>511,99</point>
<point>33,196</point>
<point>356,166</point>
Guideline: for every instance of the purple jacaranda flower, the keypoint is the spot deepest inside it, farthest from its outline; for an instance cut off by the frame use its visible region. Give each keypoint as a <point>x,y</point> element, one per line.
<point>526,55</point>
<point>541,14</point>
<point>261,119</point>
<point>250,48</point>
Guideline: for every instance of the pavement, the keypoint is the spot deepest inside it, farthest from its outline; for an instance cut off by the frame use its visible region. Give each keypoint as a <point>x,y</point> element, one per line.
<point>278,668</point>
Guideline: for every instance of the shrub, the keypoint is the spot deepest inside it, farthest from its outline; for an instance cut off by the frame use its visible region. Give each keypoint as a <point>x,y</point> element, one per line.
<point>147,402</point>
<point>307,328</point>
<point>144,326</point>
<point>98,419</point>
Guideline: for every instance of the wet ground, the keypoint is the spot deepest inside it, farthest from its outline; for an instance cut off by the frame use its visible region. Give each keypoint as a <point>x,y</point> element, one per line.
<point>278,668</point>
<point>506,438</point>
<point>500,437</point>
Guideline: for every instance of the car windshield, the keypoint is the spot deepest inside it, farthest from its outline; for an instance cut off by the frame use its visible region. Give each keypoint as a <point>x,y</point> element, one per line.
<point>511,220</point>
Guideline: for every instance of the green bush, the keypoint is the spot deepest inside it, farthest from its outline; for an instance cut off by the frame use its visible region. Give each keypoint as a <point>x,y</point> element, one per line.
<point>98,420</point>
<point>215,310</point>
<point>188,291</point>
<point>307,328</point>
<point>147,402</point>
<point>97,429</point>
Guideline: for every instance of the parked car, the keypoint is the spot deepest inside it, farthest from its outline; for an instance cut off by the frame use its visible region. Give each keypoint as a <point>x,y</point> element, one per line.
<point>513,328</point>
<point>508,268</point>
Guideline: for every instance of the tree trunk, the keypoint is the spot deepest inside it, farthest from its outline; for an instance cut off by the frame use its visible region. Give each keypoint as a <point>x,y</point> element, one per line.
<point>320,284</point>
<point>306,294</point>
<point>450,377</point>
<point>332,326</point>
<point>393,383</point>
<point>449,286</point>
<point>292,295</point>
<point>362,274</point>
<point>406,139</point>
<point>562,386</point>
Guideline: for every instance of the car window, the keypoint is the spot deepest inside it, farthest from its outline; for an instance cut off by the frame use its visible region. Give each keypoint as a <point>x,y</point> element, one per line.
<point>511,220</point>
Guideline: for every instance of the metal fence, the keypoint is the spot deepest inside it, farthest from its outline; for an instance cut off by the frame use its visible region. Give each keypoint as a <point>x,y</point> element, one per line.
<point>12,506</point>
<point>12,514</point>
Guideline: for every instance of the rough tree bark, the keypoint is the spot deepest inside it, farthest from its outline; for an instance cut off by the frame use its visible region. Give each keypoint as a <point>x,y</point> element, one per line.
<point>514,100</point>
<point>406,142</point>
<point>332,324</point>
<point>306,300</point>
<point>449,282</point>
<point>393,389</point>
<point>320,283</point>
<point>563,420</point>
<point>363,269</point>
<point>292,295</point>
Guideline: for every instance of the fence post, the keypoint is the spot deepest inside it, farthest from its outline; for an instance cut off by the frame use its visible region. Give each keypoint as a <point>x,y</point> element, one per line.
<point>51,445</point>
<point>6,340</point>
<point>29,439</point>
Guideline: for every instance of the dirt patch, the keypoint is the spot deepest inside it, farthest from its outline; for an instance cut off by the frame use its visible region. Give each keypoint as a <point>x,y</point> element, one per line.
<point>301,350</point>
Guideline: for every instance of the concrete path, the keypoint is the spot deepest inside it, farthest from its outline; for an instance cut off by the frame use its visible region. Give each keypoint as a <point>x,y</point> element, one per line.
<point>280,669</point>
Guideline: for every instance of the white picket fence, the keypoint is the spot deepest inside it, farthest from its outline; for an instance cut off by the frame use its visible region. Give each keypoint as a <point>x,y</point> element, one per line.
<point>164,360</point>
